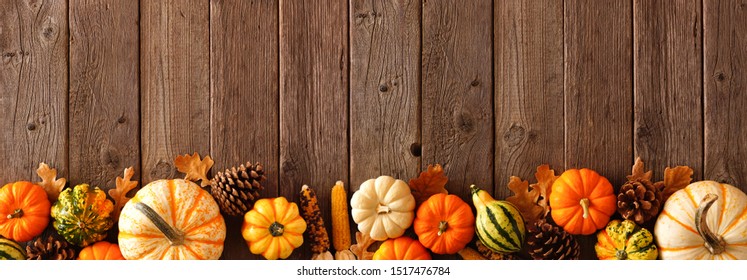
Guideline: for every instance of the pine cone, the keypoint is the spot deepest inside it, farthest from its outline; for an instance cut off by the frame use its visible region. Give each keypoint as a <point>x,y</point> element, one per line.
<point>489,254</point>
<point>53,248</point>
<point>639,200</point>
<point>549,242</point>
<point>236,189</point>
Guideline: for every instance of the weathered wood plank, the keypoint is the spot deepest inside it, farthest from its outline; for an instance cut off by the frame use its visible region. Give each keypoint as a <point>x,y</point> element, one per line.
<point>384,89</point>
<point>528,90</point>
<point>725,91</point>
<point>457,92</point>
<point>174,64</point>
<point>33,87</point>
<point>668,121</point>
<point>313,100</point>
<point>104,91</point>
<point>599,91</point>
<point>244,101</point>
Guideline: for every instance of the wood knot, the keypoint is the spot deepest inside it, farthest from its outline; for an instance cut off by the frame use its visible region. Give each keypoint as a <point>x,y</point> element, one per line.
<point>122,119</point>
<point>110,158</point>
<point>31,126</point>
<point>465,122</point>
<point>514,135</point>
<point>383,88</point>
<point>416,149</point>
<point>720,76</point>
<point>161,170</point>
<point>475,82</point>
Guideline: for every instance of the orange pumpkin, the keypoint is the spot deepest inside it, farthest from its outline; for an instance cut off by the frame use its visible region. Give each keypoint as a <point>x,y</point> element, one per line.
<point>444,223</point>
<point>582,201</point>
<point>402,248</point>
<point>101,250</point>
<point>24,211</point>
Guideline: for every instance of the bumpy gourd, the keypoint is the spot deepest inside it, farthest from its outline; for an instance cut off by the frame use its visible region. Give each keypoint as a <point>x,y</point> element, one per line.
<point>82,215</point>
<point>625,240</point>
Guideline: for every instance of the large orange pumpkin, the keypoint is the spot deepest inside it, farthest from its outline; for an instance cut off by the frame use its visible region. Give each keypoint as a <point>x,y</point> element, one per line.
<point>101,250</point>
<point>24,211</point>
<point>401,248</point>
<point>582,201</point>
<point>444,223</point>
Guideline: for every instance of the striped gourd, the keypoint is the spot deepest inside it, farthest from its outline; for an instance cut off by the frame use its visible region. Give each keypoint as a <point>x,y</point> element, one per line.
<point>625,240</point>
<point>498,225</point>
<point>10,250</point>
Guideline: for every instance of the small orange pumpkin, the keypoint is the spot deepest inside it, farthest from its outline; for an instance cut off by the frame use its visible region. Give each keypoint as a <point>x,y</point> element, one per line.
<point>444,223</point>
<point>582,201</point>
<point>402,248</point>
<point>24,211</point>
<point>101,250</point>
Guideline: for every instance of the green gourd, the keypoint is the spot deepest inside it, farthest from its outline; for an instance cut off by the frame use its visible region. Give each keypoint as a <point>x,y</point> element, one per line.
<point>498,225</point>
<point>82,215</point>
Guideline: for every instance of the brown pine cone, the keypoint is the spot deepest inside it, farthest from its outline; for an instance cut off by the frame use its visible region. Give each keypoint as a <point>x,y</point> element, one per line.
<point>489,254</point>
<point>639,200</point>
<point>548,242</point>
<point>236,189</point>
<point>51,248</point>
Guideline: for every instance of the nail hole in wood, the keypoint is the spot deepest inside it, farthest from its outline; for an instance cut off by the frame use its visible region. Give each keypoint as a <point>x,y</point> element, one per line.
<point>415,149</point>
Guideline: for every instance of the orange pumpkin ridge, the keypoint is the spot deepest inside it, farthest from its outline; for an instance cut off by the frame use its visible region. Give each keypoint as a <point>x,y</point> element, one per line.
<point>582,201</point>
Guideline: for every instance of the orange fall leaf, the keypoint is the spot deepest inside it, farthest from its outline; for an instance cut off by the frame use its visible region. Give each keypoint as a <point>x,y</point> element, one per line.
<point>124,185</point>
<point>430,182</point>
<point>50,183</point>
<point>194,168</point>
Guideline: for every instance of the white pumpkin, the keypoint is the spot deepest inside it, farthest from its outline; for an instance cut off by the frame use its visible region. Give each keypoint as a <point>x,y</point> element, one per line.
<point>705,220</point>
<point>383,207</point>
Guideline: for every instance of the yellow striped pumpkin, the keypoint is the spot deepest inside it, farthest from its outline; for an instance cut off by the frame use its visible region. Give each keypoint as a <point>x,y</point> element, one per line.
<point>10,250</point>
<point>172,220</point>
<point>705,220</point>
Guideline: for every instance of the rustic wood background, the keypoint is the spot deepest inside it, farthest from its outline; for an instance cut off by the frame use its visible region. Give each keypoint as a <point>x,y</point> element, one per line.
<point>320,91</point>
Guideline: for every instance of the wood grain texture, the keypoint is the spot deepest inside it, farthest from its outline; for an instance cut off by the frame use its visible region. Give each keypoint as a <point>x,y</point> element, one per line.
<point>668,120</point>
<point>313,100</point>
<point>104,91</point>
<point>244,97</point>
<point>529,89</point>
<point>33,87</point>
<point>457,92</point>
<point>598,91</point>
<point>725,91</point>
<point>175,84</point>
<point>384,90</point>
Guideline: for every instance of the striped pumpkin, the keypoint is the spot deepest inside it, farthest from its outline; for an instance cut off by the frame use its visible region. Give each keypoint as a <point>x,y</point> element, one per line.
<point>82,215</point>
<point>10,250</point>
<point>499,225</point>
<point>171,220</point>
<point>706,220</point>
<point>625,241</point>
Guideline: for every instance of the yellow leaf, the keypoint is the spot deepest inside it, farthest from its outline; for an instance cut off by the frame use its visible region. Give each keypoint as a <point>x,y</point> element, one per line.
<point>50,183</point>
<point>194,168</point>
<point>430,182</point>
<point>124,185</point>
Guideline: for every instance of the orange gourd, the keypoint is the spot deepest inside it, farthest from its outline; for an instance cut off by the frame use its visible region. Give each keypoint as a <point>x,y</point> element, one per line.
<point>24,211</point>
<point>402,248</point>
<point>582,201</point>
<point>101,250</point>
<point>444,223</point>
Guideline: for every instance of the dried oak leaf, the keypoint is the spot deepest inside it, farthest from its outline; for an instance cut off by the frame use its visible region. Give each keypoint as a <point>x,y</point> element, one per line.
<point>194,168</point>
<point>675,179</point>
<point>545,178</point>
<point>525,200</point>
<point>638,171</point>
<point>124,185</point>
<point>430,182</point>
<point>50,183</point>
<point>360,248</point>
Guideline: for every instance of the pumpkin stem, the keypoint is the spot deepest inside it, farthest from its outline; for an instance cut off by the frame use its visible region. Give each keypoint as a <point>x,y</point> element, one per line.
<point>715,244</point>
<point>585,205</point>
<point>276,229</point>
<point>174,236</point>
<point>442,226</point>
<point>383,209</point>
<point>16,214</point>
<point>621,255</point>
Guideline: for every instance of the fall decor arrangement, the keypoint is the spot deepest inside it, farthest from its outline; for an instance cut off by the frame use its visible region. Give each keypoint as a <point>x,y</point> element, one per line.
<point>401,248</point>
<point>444,224</point>
<point>82,215</point>
<point>101,250</point>
<point>383,207</point>
<point>171,220</point>
<point>625,240</point>
<point>705,220</point>
<point>273,228</point>
<point>582,201</point>
<point>639,199</point>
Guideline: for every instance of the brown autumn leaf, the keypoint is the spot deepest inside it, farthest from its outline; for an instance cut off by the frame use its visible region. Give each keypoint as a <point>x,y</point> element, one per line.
<point>194,168</point>
<point>430,182</point>
<point>360,248</point>
<point>675,179</point>
<point>50,183</point>
<point>638,172</point>
<point>525,200</point>
<point>545,178</point>
<point>119,194</point>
